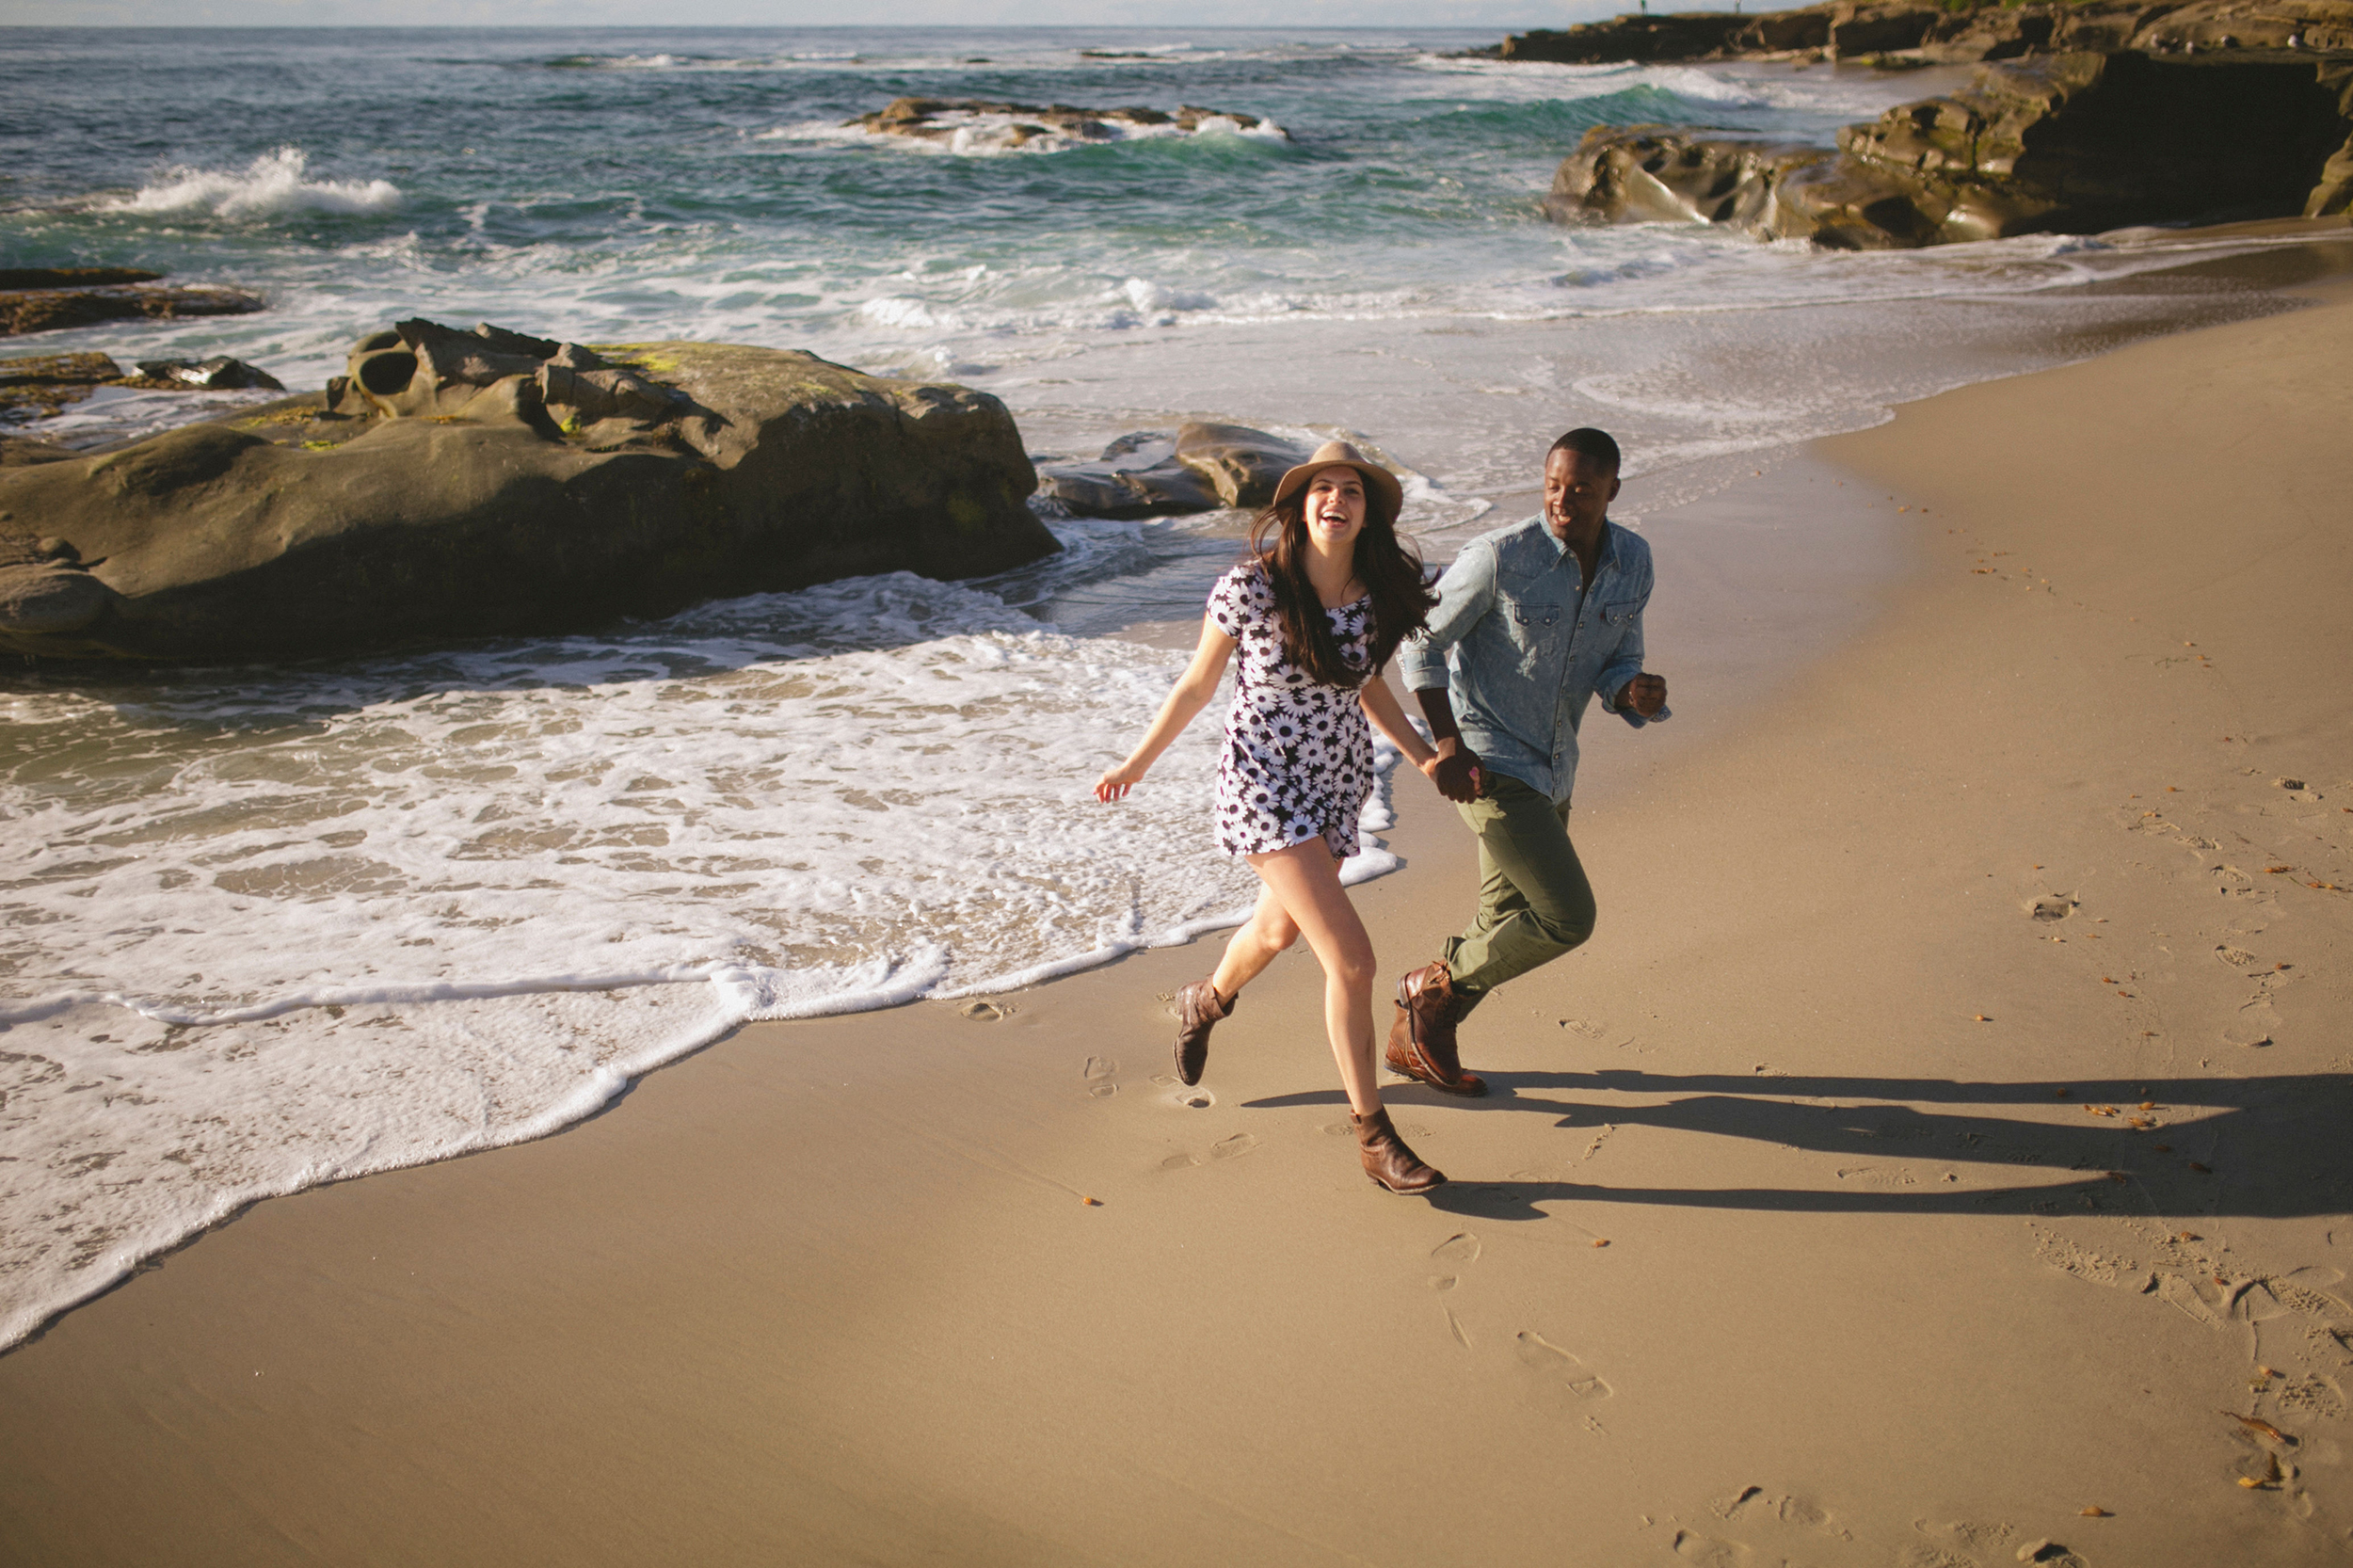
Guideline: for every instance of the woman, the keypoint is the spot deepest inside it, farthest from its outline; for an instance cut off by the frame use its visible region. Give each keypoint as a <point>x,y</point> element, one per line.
<point>1316,610</point>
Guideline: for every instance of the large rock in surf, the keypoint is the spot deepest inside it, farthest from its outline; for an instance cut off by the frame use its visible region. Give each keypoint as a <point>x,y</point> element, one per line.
<point>48,299</point>
<point>459,485</point>
<point>2068,144</point>
<point>1151,473</point>
<point>34,386</point>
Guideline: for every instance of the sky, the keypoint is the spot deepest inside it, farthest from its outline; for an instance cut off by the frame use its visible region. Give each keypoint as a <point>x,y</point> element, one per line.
<point>1497,14</point>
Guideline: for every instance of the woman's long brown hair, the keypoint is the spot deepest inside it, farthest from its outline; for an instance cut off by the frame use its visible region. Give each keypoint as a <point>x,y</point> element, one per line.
<point>1391,573</point>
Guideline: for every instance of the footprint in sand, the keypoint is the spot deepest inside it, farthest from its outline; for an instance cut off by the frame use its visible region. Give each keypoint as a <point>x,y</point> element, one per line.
<point>1458,1249</point>
<point>1694,1547</point>
<point>1558,1369</point>
<point>1099,1076</point>
<point>1452,1254</point>
<point>2053,906</point>
<point>1224,1148</point>
<point>1193,1100</point>
<point>1918,1556</point>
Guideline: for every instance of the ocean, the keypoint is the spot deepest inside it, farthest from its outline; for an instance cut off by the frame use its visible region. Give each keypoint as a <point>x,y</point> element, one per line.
<point>266,928</point>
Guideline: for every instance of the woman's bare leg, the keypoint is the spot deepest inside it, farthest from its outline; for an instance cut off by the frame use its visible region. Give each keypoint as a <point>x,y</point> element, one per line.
<point>1304,881</point>
<point>1265,937</point>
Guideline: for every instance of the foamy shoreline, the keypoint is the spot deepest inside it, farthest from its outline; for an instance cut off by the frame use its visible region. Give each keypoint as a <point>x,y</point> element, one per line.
<point>827,1292</point>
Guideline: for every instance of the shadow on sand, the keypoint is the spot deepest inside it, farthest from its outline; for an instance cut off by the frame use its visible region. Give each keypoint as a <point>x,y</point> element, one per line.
<point>2271,1147</point>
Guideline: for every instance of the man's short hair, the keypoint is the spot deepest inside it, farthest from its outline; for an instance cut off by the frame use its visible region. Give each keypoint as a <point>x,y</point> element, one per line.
<point>1592,443</point>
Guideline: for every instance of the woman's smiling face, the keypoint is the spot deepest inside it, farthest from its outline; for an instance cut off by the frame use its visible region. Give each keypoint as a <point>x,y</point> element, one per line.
<point>1336,506</point>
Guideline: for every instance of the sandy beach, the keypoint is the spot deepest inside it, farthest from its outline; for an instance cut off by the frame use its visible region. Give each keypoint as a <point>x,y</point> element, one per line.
<point>1936,1159</point>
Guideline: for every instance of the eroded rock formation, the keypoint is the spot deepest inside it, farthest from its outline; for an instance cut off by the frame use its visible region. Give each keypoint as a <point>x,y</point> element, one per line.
<point>455,485</point>
<point>2067,144</point>
<point>1152,473</point>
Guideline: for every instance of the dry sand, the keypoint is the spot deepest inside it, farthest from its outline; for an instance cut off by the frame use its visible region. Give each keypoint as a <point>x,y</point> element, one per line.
<point>1891,963</point>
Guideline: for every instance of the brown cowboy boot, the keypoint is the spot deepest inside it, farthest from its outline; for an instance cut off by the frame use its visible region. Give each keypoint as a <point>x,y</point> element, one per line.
<point>1421,1040</point>
<point>1387,1158</point>
<point>1198,1007</point>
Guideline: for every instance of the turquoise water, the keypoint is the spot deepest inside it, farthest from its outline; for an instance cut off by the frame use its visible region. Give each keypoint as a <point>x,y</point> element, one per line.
<point>312,921</point>
<point>661,182</point>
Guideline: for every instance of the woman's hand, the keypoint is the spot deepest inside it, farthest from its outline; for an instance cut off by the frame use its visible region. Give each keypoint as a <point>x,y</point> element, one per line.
<point>1191,693</point>
<point>1454,769</point>
<point>1115,784</point>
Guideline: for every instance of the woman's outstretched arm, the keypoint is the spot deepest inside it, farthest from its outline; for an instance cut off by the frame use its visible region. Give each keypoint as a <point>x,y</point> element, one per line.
<point>1388,716</point>
<point>1191,693</point>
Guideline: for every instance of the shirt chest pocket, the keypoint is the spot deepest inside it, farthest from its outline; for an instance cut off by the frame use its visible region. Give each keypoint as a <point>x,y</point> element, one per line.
<point>1536,622</point>
<point>1618,615</point>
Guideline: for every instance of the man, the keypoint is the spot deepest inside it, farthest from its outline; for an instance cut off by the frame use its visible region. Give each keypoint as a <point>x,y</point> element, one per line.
<point>1533,621</point>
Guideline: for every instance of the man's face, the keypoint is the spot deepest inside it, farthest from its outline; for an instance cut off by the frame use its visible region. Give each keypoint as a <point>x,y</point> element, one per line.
<point>1579,488</point>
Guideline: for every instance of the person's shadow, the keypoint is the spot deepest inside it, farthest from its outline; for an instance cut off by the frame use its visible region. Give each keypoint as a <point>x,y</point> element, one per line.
<point>2261,1146</point>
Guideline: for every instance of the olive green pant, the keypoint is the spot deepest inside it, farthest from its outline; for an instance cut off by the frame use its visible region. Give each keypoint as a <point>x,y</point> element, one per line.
<point>1534,903</point>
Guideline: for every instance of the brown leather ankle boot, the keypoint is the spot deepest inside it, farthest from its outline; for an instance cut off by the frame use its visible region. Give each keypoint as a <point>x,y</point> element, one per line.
<point>1387,1158</point>
<point>1421,1041</point>
<point>1198,1007</point>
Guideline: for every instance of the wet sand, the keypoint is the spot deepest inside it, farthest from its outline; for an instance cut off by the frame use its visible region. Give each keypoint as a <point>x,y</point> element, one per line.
<point>1810,1220</point>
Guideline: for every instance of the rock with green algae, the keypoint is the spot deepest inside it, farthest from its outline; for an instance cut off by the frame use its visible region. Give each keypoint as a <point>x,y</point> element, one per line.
<point>454,486</point>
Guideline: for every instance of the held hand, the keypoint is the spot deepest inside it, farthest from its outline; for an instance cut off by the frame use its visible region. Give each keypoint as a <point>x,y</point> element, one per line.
<point>1645,694</point>
<point>1115,784</point>
<point>1455,771</point>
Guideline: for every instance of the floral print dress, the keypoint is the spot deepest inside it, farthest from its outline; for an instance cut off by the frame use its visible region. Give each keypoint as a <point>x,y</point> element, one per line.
<point>1298,760</point>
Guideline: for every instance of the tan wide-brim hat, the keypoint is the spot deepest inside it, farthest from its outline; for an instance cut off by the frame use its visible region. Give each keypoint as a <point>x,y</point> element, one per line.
<point>1339,454</point>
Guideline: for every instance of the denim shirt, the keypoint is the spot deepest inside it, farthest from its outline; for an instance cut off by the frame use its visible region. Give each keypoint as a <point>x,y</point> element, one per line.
<point>1521,655</point>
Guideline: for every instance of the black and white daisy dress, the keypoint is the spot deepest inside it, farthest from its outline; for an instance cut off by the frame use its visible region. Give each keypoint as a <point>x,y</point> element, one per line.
<point>1298,762</point>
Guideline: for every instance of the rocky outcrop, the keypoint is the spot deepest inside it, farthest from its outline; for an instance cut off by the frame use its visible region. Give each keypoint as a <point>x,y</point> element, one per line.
<point>1152,473</point>
<point>34,386</point>
<point>979,124</point>
<point>1674,37</point>
<point>48,300</point>
<point>2068,144</point>
<point>458,485</point>
<point>219,373</point>
<point>1904,32</point>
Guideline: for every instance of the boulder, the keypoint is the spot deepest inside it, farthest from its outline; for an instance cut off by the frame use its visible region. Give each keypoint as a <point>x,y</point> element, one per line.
<point>1137,476</point>
<point>46,308</point>
<point>2067,144</point>
<point>72,277</point>
<point>34,385</point>
<point>1244,465</point>
<point>1641,37</point>
<point>1152,473</point>
<point>219,373</point>
<point>440,492</point>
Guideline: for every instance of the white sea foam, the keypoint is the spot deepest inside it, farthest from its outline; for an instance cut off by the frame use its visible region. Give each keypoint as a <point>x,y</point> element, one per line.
<point>276,931</point>
<point>265,930</point>
<point>273,182</point>
<point>974,134</point>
